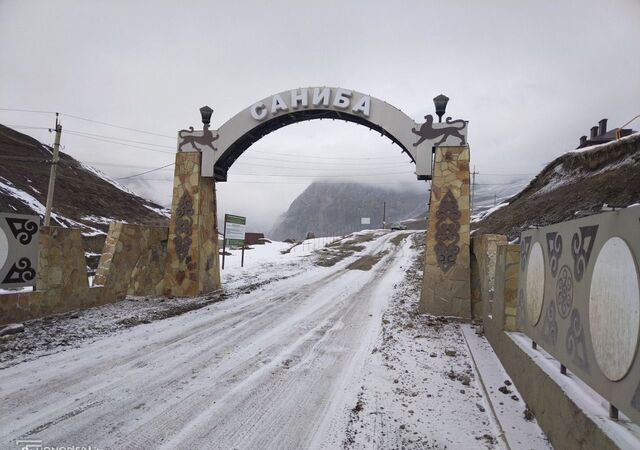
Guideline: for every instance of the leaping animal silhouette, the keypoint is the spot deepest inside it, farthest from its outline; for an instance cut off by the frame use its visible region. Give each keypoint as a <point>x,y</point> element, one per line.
<point>205,140</point>
<point>427,131</point>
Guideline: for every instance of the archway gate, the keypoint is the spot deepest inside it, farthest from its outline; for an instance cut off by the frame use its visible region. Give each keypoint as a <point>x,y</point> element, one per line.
<point>438,150</point>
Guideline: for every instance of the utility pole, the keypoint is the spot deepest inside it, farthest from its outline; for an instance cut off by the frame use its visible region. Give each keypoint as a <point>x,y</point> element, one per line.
<point>384,215</point>
<point>473,186</point>
<point>52,174</point>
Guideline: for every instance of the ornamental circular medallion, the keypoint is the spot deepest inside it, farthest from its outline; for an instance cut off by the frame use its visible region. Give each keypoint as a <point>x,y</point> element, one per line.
<point>614,309</point>
<point>564,291</point>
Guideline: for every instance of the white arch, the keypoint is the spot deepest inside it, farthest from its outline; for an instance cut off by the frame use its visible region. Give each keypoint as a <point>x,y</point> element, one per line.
<point>285,108</point>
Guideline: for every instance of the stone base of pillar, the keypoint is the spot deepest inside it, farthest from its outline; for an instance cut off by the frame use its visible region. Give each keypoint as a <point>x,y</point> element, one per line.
<point>192,267</point>
<point>446,287</point>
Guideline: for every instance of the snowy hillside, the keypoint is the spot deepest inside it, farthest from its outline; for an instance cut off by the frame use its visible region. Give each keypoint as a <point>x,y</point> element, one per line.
<point>576,184</point>
<point>84,197</point>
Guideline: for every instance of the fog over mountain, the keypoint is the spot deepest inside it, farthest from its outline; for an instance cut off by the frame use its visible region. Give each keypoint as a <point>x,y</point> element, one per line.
<point>335,208</point>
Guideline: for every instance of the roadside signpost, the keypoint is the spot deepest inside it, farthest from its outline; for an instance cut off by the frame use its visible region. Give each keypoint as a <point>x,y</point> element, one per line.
<point>234,230</point>
<point>18,250</point>
<point>364,221</point>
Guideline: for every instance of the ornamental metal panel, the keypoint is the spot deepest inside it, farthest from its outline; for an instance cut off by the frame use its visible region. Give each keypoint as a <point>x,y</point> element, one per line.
<point>19,239</point>
<point>579,299</point>
<point>220,148</point>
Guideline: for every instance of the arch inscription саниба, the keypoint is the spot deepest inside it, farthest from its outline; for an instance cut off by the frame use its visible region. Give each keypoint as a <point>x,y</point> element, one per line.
<point>297,105</point>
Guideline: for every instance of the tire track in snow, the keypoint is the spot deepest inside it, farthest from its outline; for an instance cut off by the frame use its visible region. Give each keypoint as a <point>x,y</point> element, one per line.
<point>158,388</point>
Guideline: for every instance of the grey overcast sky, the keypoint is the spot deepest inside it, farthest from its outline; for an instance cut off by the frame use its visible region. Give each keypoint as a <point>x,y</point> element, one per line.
<point>530,76</point>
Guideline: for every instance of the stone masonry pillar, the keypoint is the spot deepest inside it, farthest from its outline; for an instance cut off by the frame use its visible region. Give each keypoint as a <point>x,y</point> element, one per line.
<point>446,282</point>
<point>192,266</point>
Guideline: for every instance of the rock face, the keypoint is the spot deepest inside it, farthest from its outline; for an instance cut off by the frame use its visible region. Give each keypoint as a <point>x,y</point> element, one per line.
<point>335,208</point>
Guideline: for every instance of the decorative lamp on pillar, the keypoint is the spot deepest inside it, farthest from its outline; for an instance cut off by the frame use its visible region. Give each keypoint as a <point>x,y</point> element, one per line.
<point>206,112</point>
<point>441,105</point>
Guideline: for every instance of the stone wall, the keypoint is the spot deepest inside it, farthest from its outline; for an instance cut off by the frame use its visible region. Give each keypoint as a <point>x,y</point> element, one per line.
<point>61,281</point>
<point>147,277</point>
<point>509,287</point>
<point>446,285</point>
<point>124,246</point>
<point>192,266</point>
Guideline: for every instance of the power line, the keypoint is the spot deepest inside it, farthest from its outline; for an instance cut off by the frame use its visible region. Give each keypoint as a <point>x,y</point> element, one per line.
<point>122,143</point>
<point>242,164</point>
<point>27,127</point>
<point>87,120</point>
<point>85,134</point>
<point>148,171</point>
<point>27,110</point>
<point>347,163</point>
<point>323,157</point>
<point>130,166</point>
<point>116,126</point>
<point>506,174</point>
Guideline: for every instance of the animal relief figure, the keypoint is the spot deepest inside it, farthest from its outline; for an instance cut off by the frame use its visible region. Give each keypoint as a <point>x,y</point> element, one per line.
<point>206,140</point>
<point>427,131</point>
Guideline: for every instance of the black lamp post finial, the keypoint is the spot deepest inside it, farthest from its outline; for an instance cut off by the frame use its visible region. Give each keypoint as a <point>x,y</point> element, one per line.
<point>441,105</point>
<point>205,113</point>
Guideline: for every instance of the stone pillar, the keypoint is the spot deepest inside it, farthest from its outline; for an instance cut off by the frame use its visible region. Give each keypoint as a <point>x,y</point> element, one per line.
<point>510,290</point>
<point>192,267</point>
<point>485,249</point>
<point>446,282</point>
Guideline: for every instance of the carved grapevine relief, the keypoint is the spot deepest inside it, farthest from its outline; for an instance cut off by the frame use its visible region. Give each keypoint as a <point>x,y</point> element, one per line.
<point>447,232</point>
<point>184,226</point>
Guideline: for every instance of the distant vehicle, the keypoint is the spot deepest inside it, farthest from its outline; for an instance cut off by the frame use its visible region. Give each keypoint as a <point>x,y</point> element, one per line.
<point>398,226</point>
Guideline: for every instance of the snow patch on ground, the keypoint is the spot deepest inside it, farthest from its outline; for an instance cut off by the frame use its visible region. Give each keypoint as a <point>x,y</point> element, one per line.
<point>98,219</point>
<point>106,178</point>
<point>625,433</point>
<point>518,427</point>
<point>478,217</point>
<point>418,388</point>
<point>162,211</point>
<point>27,199</point>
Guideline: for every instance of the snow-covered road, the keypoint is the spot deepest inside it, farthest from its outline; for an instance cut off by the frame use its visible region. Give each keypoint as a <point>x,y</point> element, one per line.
<point>272,368</point>
<point>284,366</point>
